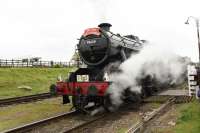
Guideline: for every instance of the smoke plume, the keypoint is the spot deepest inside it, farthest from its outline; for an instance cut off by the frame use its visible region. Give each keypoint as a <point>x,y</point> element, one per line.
<point>161,64</point>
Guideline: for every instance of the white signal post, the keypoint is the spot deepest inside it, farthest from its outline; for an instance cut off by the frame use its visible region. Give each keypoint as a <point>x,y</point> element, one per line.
<point>193,81</point>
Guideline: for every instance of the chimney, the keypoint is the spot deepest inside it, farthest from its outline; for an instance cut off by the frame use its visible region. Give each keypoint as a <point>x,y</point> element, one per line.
<point>105,26</point>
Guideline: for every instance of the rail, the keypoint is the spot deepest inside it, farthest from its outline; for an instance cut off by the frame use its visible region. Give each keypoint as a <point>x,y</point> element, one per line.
<point>74,129</point>
<point>138,127</point>
<point>26,128</point>
<point>17,100</point>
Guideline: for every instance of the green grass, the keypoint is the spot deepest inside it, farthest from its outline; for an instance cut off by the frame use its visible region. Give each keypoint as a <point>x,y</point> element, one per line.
<point>39,79</point>
<point>189,118</point>
<point>122,130</point>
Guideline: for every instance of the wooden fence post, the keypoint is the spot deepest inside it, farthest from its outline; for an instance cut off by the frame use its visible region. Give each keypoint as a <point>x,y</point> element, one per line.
<point>6,62</point>
<point>12,65</point>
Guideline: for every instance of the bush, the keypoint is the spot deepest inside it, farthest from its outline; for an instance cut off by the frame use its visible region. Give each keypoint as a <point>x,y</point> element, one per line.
<point>57,66</point>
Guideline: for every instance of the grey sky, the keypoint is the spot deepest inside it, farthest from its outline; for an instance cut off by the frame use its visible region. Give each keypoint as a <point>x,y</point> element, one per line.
<point>50,28</point>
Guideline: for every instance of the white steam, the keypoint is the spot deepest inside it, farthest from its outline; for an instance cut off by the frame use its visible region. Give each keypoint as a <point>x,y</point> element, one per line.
<point>163,65</point>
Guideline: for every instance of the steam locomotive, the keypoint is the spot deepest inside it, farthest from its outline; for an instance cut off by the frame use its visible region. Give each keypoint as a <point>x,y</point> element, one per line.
<point>97,48</point>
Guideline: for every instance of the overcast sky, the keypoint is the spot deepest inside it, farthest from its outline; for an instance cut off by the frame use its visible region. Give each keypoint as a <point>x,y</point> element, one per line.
<point>50,28</point>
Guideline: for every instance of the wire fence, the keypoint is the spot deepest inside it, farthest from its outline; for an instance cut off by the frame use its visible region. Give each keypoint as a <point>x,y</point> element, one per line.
<point>28,63</point>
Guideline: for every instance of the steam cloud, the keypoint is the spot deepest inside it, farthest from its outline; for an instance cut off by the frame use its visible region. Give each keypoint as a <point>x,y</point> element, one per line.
<point>163,65</point>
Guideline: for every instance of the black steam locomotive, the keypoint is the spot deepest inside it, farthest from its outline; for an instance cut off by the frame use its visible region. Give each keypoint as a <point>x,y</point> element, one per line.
<point>98,47</point>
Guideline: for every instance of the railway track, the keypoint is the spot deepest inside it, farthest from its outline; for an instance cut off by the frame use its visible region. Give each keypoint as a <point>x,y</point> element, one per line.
<point>146,119</point>
<point>28,127</point>
<point>74,129</point>
<point>139,126</point>
<point>44,125</point>
<point>30,98</point>
<point>85,126</point>
<point>32,127</point>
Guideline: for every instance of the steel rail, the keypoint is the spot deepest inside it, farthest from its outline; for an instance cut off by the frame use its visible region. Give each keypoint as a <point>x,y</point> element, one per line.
<point>138,127</point>
<point>73,129</point>
<point>29,98</point>
<point>28,127</point>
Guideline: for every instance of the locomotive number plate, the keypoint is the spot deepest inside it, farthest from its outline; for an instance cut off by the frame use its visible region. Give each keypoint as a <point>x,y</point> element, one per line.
<point>91,41</point>
<point>82,78</point>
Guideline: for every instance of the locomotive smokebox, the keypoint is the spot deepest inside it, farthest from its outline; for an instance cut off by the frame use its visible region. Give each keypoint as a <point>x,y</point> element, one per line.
<point>105,26</point>
<point>98,46</point>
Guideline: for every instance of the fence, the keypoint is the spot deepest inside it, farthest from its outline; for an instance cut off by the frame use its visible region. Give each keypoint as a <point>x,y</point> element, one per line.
<point>27,63</point>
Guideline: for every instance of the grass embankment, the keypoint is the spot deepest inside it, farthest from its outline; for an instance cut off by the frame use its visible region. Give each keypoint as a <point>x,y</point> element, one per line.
<point>189,118</point>
<point>39,79</point>
<point>13,116</point>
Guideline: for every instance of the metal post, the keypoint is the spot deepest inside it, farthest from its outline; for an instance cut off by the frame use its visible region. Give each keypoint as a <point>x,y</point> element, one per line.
<point>197,68</point>
<point>197,24</point>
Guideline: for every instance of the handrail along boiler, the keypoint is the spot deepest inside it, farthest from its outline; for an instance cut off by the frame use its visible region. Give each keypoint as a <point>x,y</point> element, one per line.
<point>97,48</point>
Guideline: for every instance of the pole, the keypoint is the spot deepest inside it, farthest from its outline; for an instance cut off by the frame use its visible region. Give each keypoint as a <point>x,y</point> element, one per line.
<point>197,24</point>
<point>197,68</point>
